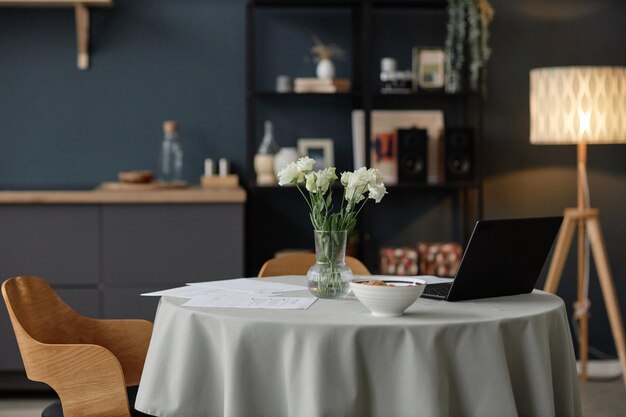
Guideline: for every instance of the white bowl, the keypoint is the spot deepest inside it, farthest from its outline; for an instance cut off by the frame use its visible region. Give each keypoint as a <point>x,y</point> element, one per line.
<point>387,301</point>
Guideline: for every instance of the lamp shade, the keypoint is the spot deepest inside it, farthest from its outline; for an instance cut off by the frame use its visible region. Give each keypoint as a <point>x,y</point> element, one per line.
<point>578,104</point>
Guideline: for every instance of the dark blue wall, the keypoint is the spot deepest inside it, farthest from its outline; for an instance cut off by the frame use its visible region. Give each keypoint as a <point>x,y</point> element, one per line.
<point>185,60</point>
<point>151,60</point>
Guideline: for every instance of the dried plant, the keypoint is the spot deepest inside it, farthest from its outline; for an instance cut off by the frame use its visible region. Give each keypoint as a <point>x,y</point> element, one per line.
<point>322,51</point>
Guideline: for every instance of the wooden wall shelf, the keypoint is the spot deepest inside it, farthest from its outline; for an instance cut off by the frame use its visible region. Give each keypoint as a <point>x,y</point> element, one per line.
<point>81,11</point>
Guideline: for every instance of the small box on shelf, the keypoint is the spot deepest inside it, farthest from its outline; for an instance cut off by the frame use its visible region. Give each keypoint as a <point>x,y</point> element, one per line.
<point>219,181</point>
<point>317,85</point>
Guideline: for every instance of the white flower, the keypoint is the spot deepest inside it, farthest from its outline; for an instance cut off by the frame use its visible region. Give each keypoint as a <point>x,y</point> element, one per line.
<point>311,182</point>
<point>374,177</point>
<point>358,179</point>
<point>295,172</point>
<point>325,178</point>
<point>305,164</point>
<point>356,184</point>
<point>376,192</point>
<point>359,186</point>
<point>354,195</point>
<point>320,181</point>
<point>290,174</point>
<point>345,178</point>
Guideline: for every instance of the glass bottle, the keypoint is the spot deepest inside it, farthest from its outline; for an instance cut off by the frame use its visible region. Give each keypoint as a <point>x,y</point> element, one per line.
<point>171,158</point>
<point>268,145</point>
<point>264,159</point>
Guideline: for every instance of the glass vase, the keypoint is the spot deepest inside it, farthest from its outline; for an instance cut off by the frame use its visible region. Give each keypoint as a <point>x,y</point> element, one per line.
<point>330,276</point>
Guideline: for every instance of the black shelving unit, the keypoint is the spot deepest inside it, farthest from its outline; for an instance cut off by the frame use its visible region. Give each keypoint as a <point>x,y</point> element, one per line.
<point>365,95</point>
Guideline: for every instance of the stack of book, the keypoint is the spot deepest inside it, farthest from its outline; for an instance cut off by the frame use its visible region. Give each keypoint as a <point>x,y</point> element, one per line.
<point>318,85</point>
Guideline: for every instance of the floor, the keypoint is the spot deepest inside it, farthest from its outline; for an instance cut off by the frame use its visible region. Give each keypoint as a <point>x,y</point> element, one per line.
<point>600,399</point>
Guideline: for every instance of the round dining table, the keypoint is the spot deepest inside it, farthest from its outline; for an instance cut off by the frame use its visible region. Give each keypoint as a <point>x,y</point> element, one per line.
<point>506,356</point>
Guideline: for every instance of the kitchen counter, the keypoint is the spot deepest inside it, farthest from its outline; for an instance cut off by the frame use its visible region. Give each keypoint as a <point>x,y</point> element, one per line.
<point>182,196</point>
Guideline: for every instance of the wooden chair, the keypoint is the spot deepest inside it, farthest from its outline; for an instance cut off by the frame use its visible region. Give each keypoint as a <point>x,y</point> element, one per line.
<point>88,362</point>
<point>299,264</point>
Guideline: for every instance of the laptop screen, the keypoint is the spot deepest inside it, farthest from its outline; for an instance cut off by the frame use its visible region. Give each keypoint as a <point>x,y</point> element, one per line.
<point>504,257</point>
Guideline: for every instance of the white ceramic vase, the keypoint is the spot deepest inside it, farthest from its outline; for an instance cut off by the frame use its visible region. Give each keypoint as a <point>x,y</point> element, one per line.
<point>325,69</point>
<point>264,169</point>
<point>283,157</point>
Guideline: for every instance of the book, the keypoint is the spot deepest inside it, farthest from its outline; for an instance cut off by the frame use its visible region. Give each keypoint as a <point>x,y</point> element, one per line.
<point>317,85</point>
<point>359,146</point>
<point>384,155</point>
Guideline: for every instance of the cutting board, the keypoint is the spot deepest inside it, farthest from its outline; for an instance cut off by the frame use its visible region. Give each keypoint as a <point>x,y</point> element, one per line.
<point>150,186</point>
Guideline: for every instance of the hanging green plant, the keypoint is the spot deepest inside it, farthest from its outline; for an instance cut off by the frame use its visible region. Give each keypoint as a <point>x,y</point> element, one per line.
<point>468,23</point>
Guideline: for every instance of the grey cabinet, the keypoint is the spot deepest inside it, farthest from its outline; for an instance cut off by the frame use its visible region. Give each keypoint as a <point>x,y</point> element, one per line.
<point>171,244</point>
<point>150,247</point>
<point>58,242</point>
<point>100,257</point>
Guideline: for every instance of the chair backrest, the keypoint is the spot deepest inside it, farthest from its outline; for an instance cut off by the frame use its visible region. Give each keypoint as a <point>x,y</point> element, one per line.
<point>59,347</point>
<point>32,305</point>
<point>299,264</point>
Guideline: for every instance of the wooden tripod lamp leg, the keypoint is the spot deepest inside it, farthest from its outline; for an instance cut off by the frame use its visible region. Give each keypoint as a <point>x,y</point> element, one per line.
<point>581,307</point>
<point>608,289</point>
<point>563,243</point>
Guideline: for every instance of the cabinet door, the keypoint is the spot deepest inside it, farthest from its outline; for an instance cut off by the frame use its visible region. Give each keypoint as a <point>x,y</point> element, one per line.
<point>58,243</point>
<point>127,303</point>
<point>171,244</point>
<point>85,301</point>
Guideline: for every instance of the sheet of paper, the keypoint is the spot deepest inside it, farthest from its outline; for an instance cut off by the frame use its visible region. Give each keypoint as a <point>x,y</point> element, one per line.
<point>249,286</point>
<point>180,292</point>
<point>431,279</point>
<point>229,300</point>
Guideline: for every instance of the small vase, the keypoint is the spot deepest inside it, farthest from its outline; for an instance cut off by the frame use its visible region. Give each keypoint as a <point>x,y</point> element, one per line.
<point>325,69</point>
<point>330,276</point>
<point>264,169</point>
<point>283,157</point>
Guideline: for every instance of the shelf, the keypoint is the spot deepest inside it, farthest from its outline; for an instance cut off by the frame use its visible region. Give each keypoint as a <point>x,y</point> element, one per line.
<point>272,94</point>
<point>421,4</point>
<point>435,187</point>
<point>305,3</point>
<point>377,96</point>
<point>390,188</point>
<point>81,12</point>
<point>270,206</point>
<point>188,195</point>
<point>415,4</point>
<point>426,93</point>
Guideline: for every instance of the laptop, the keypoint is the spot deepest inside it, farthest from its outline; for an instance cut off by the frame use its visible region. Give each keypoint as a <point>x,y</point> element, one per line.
<point>503,257</point>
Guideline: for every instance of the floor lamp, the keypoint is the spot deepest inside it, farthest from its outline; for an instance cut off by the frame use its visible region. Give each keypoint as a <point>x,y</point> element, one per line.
<point>582,105</point>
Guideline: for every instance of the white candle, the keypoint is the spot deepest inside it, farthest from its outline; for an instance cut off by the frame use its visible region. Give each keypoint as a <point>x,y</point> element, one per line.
<point>223,165</point>
<point>208,167</point>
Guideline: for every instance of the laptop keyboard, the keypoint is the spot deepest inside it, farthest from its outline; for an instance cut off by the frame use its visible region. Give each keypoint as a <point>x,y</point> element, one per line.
<point>439,291</point>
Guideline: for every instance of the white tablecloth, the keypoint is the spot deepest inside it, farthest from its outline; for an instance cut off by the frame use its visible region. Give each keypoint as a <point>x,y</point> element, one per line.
<point>509,356</point>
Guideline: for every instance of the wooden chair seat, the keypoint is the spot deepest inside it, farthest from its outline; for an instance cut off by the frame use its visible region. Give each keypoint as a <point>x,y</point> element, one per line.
<point>88,362</point>
<point>299,264</point>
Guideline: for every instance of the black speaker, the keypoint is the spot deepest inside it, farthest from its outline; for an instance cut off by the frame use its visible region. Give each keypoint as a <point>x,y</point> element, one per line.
<point>412,155</point>
<point>460,158</point>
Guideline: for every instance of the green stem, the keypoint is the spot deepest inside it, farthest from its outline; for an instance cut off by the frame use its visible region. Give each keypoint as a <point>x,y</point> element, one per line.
<point>304,196</point>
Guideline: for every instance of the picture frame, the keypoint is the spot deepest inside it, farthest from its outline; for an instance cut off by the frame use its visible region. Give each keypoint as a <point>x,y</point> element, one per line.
<point>430,63</point>
<point>320,149</point>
